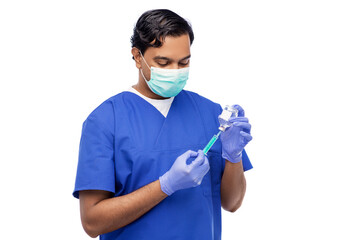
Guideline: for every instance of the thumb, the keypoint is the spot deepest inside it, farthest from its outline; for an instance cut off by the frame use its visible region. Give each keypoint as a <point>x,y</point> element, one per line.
<point>199,159</point>
<point>241,111</point>
<point>189,154</point>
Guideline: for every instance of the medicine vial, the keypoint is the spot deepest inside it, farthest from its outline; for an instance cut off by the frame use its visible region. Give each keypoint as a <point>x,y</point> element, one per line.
<point>227,113</point>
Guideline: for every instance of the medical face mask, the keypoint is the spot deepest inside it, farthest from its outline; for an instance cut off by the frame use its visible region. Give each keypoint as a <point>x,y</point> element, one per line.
<point>166,82</point>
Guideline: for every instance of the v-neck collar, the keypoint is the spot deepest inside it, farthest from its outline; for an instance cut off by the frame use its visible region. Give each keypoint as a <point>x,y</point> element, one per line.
<point>154,131</point>
<point>152,102</point>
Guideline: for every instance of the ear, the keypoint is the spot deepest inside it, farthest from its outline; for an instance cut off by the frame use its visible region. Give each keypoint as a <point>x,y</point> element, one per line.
<point>136,56</point>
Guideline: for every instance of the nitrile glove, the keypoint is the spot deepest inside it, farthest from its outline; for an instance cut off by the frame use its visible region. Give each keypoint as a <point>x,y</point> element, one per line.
<point>182,175</point>
<point>235,138</point>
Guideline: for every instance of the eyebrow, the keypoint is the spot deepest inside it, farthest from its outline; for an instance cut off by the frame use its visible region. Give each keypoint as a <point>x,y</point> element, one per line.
<point>169,59</point>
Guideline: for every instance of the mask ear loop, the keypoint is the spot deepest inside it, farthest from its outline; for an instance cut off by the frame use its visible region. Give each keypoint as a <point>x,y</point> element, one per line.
<point>144,60</point>
<point>141,68</point>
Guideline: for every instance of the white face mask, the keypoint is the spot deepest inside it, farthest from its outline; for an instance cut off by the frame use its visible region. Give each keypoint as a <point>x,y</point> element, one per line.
<point>166,82</point>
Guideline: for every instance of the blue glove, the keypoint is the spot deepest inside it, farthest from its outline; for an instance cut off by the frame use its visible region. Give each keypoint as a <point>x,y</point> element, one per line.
<point>235,138</point>
<point>182,175</point>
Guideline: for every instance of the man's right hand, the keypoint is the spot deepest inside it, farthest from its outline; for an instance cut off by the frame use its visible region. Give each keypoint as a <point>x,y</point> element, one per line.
<point>182,175</point>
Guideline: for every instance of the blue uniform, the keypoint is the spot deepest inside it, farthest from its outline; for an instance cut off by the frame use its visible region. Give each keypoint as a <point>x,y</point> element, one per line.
<point>127,143</point>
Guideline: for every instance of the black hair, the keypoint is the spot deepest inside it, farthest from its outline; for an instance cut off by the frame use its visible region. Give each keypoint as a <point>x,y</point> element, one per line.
<point>156,25</point>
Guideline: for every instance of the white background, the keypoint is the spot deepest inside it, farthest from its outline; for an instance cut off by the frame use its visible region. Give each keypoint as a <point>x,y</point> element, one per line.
<point>292,65</point>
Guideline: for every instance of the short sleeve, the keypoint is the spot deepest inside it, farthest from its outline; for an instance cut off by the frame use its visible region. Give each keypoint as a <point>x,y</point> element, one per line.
<point>95,169</point>
<point>246,161</point>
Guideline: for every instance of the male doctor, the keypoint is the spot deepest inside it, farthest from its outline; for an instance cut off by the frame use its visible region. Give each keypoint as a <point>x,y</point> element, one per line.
<point>141,173</point>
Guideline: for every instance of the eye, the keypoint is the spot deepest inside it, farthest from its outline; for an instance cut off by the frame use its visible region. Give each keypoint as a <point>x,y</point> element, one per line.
<point>162,63</point>
<point>184,63</point>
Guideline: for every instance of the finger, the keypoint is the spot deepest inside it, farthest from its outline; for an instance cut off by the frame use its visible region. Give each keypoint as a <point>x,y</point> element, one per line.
<point>246,136</point>
<point>205,161</point>
<point>190,153</point>
<point>238,119</point>
<point>199,159</point>
<point>241,111</point>
<point>203,170</point>
<point>246,127</point>
<point>206,165</point>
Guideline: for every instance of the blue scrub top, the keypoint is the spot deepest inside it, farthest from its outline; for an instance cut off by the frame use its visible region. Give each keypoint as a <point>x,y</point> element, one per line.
<point>127,143</point>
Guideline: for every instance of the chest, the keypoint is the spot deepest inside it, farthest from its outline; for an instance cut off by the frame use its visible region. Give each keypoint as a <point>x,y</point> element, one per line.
<point>147,144</point>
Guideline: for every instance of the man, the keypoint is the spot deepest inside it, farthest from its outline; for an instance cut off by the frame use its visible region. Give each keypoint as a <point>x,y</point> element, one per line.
<point>141,174</point>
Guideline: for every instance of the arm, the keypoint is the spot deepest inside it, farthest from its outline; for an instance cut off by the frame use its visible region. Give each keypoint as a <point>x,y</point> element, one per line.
<point>101,213</point>
<point>233,182</point>
<point>233,186</point>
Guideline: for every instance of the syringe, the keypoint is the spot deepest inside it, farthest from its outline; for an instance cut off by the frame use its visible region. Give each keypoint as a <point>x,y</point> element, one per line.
<point>227,113</point>
<point>211,142</point>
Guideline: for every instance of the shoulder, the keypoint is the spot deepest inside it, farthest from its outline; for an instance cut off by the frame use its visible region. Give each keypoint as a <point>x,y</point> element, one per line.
<point>104,113</point>
<point>203,102</point>
<point>108,106</point>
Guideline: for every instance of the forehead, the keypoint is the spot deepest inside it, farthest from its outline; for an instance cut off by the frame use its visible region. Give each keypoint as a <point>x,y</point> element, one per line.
<point>172,47</point>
